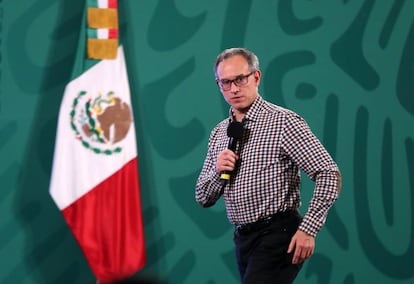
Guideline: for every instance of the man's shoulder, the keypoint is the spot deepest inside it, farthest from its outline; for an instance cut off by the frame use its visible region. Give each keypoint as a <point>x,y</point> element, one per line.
<point>279,110</point>
<point>222,125</point>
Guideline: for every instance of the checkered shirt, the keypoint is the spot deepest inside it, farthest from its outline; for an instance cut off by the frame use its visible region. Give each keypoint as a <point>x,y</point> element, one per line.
<point>276,145</point>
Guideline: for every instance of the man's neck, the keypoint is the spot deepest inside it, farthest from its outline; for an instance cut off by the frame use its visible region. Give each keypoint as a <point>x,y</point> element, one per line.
<point>237,115</point>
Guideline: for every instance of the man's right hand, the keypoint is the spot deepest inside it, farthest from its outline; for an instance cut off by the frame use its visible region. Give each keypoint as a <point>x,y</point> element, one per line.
<point>226,161</point>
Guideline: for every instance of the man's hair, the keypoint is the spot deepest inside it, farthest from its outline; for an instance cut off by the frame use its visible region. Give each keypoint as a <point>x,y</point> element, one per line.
<point>250,57</point>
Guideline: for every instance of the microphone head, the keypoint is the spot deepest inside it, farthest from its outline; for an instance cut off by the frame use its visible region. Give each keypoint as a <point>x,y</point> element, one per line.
<point>235,130</point>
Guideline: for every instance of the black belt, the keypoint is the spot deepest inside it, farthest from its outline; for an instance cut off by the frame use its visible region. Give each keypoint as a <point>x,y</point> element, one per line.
<point>263,222</point>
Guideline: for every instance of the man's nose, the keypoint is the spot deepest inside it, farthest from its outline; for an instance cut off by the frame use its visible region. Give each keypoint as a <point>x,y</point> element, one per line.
<point>234,87</point>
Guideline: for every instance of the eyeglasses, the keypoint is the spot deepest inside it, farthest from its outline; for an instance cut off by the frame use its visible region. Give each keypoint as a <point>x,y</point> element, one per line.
<point>241,80</point>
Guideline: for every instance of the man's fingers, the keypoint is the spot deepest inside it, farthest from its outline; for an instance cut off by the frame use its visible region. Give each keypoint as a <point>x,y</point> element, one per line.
<point>226,160</point>
<point>291,245</point>
<point>300,254</point>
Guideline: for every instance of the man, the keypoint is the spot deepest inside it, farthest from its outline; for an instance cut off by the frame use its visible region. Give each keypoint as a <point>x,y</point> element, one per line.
<point>258,174</point>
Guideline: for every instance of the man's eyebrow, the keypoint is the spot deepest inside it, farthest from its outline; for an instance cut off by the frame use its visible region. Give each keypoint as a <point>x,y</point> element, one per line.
<point>240,75</point>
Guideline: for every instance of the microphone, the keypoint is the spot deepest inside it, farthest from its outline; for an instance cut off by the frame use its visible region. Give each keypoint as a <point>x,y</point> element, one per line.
<point>235,133</point>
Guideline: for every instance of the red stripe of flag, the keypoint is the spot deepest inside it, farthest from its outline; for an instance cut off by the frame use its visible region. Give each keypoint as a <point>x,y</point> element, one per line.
<point>113,33</point>
<point>107,223</point>
<point>113,4</point>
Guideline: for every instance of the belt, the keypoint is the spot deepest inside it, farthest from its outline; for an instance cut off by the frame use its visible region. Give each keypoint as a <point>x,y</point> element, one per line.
<point>263,222</point>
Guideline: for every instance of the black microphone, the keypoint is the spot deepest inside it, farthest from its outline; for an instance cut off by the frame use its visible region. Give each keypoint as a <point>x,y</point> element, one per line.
<point>235,133</point>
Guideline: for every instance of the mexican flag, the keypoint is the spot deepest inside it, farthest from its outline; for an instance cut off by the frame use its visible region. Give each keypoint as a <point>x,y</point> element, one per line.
<point>95,181</point>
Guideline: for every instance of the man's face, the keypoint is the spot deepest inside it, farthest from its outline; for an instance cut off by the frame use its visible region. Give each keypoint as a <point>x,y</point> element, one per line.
<point>237,86</point>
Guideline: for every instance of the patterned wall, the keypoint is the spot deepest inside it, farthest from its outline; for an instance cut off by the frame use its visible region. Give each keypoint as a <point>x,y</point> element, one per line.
<point>346,66</point>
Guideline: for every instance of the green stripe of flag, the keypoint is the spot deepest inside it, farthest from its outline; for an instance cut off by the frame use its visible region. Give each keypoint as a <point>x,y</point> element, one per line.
<point>102,3</point>
<point>102,33</point>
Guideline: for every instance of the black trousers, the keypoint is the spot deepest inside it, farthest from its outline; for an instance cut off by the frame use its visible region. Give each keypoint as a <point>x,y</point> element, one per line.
<point>261,249</point>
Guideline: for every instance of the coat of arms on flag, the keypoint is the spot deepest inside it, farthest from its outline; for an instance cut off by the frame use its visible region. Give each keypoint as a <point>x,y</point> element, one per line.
<point>100,121</point>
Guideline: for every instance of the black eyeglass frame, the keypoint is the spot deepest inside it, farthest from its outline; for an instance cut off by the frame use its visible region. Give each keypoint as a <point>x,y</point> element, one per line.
<point>239,81</point>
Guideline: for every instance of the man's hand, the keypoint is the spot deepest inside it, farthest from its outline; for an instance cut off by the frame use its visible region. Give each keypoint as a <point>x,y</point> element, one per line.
<point>303,246</point>
<point>226,161</point>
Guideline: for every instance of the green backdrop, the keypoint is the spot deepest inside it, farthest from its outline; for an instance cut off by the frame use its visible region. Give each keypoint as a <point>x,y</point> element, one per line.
<point>346,66</point>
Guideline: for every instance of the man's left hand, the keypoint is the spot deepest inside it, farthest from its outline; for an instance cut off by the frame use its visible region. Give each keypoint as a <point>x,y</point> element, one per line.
<point>303,246</point>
